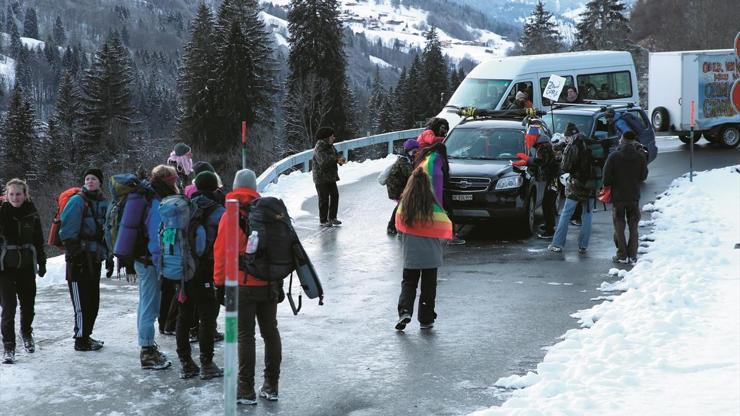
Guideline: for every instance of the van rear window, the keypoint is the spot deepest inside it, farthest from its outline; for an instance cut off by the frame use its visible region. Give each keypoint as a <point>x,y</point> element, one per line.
<point>605,86</point>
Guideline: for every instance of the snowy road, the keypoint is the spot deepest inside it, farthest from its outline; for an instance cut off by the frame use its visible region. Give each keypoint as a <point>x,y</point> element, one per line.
<point>499,303</point>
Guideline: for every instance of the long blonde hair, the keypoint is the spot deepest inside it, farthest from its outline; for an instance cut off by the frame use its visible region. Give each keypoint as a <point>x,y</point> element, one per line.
<point>17,182</point>
<point>164,173</point>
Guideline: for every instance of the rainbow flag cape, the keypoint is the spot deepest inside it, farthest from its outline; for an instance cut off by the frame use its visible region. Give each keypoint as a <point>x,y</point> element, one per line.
<point>432,165</point>
<point>439,226</point>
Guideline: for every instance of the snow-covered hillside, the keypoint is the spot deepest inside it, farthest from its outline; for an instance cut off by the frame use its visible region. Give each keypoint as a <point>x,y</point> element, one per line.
<point>7,64</point>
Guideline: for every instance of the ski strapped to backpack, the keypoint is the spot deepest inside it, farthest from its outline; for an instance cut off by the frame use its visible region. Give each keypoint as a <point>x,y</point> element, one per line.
<point>56,222</point>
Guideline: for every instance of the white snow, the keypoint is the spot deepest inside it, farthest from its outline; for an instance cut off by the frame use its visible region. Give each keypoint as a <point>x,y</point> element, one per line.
<point>668,345</point>
<point>381,63</point>
<point>7,71</point>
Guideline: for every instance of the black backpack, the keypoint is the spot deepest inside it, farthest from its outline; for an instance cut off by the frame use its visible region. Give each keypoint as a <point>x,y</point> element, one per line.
<point>274,259</point>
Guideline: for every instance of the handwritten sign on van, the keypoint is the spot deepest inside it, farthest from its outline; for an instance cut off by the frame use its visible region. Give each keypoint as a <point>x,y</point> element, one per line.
<point>554,87</point>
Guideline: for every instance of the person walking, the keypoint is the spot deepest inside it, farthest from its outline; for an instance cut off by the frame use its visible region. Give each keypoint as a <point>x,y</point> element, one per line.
<point>624,170</point>
<point>395,177</point>
<point>424,226</point>
<point>81,232</point>
<point>23,257</point>
<point>258,299</point>
<point>163,182</point>
<point>325,176</point>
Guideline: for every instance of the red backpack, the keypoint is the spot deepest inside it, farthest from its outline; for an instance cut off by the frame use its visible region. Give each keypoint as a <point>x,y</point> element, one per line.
<point>56,223</point>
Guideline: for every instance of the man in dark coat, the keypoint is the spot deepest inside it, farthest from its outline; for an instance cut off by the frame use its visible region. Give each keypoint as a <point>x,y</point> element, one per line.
<point>325,176</point>
<point>624,170</point>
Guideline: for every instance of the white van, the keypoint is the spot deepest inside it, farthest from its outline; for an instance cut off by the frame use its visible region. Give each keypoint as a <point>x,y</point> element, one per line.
<point>599,76</point>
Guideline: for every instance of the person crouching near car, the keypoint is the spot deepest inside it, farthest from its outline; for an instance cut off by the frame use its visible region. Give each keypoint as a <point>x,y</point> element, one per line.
<point>424,227</point>
<point>22,249</point>
<point>395,177</point>
<point>258,299</point>
<point>624,170</point>
<point>81,232</point>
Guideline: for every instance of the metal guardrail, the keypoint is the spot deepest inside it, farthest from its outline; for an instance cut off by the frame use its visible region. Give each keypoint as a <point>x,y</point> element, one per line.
<point>271,174</point>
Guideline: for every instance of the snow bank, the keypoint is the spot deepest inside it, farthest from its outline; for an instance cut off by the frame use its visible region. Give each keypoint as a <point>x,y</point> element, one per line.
<point>670,344</point>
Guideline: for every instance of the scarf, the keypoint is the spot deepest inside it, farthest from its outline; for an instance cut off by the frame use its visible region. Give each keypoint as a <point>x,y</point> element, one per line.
<point>183,162</point>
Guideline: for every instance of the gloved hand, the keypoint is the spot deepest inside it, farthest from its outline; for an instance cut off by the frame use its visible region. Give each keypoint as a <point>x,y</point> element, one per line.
<point>221,295</point>
<point>42,269</point>
<point>523,159</point>
<point>109,266</point>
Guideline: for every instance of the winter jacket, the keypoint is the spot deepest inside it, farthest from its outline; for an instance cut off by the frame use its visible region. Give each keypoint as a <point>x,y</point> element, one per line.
<point>21,236</point>
<point>82,224</point>
<point>398,175</point>
<point>624,170</point>
<point>545,163</point>
<point>245,197</point>
<point>433,159</point>
<point>324,163</point>
<point>152,222</point>
<point>577,188</point>
<point>428,138</point>
<point>215,210</point>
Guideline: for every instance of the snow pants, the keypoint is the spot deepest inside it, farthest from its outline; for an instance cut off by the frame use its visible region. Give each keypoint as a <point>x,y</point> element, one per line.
<point>83,279</point>
<point>16,286</point>
<point>427,297</point>
<point>258,302</point>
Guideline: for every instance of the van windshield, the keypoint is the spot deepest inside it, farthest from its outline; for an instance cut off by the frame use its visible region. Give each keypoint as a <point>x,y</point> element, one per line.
<point>479,93</point>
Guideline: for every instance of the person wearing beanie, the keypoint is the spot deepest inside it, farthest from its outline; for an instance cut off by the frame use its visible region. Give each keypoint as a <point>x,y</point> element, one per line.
<point>202,166</point>
<point>198,168</point>
<point>256,301</point>
<point>395,177</point>
<point>324,165</point>
<point>81,232</point>
<point>181,158</point>
<point>625,169</point>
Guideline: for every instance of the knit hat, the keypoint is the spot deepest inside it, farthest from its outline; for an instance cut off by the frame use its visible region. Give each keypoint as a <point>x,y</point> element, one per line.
<point>324,133</point>
<point>245,178</point>
<point>201,166</point>
<point>410,144</point>
<point>181,149</point>
<point>206,181</point>
<point>95,172</point>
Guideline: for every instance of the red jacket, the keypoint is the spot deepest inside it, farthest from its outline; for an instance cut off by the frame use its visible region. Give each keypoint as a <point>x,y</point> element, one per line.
<point>244,196</point>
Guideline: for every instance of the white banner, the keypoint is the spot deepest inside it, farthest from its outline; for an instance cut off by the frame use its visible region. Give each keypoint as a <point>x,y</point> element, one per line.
<point>554,87</point>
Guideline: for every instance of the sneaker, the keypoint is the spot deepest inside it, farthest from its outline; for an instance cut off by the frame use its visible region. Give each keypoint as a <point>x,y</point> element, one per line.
<point>632,260</point>
<point>545,235</point>
<point>245,395</point>
<point>152,359</point>
<point>188,368</point>
<point>582,250</point>
<point>95,344</point>
<point>403,321</point>
<point>429,325</point>
<point>577,223</point>
<point>554,248</point>
<point>269,391</point>
<point>325,224</point>
<point>620,260</point>
<point>8,356</point>
<point>456,241</point>
<point>335,222</point>
<point>87,344</point>
<point>218,336</point>
<point>209,370</point>
<point>28,344</point>
<point>166,332</point>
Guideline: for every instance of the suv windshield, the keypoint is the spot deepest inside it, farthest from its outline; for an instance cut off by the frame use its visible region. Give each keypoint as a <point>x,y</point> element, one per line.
<point>560,121</point>
<point>484,143</point>
<point>479,93</point>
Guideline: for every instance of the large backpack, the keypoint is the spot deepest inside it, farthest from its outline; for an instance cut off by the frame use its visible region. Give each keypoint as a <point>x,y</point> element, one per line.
<point>56,222</point>
<point>181,237</point>
<point>274,258</point>
<point>124,220</point>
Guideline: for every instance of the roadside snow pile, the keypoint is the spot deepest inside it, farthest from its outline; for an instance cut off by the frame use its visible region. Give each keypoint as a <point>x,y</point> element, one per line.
<point>670,344</point>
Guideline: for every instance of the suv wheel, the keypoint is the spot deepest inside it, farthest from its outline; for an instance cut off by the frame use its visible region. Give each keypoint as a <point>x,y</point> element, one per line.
<point>730,136</point>
<point>527,220</point>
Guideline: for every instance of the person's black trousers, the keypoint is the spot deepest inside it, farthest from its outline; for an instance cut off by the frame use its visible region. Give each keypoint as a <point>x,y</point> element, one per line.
<point>257,302</point>
<point>198,310</point>
<point>16,286</point>
<point>328,201</point>
<point>549,209</point>
<point>168,307</point>
<point>630,211</point>
<point>83,279</point>
<point>426,297</point>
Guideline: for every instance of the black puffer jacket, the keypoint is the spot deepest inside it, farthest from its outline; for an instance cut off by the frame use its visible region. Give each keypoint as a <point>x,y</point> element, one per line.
<point>624,170</point>
<point>22,227</point>
<point>324,163</point>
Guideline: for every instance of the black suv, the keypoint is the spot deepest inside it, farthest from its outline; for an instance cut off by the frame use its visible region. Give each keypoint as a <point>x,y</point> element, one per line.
<point>483,184</point>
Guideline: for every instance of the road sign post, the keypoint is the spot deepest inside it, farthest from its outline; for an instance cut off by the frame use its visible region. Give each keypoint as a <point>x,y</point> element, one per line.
<point>231,367</point>
<point>691,142</point>
<point>244,144</point>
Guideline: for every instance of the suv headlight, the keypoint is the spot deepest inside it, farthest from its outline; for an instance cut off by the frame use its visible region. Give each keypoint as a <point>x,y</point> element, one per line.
<point>509,182</point>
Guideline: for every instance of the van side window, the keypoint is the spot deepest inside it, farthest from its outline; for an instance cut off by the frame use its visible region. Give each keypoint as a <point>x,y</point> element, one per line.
<point>525,88</point>
<point>543,84</point>
<point>605,86</point>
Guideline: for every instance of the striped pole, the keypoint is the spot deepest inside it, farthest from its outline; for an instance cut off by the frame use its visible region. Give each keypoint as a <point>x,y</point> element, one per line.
<point>231,366</point>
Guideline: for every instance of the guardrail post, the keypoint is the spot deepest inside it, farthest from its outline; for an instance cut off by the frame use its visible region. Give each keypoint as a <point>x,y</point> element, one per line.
<point>345,153</point>
<point>305,166</point>
<point>390,146</point>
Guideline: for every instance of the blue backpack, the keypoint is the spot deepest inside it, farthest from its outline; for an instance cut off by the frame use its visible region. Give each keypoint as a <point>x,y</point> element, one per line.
<point>182,238</point>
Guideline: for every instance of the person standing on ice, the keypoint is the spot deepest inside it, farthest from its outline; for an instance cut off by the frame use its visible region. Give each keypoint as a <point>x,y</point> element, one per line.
<point>22,250</point>
<point>424,226</point>
<point>624,171</point>
<point>81,232</point>
<point>163,181</point>
<point>325,176</point>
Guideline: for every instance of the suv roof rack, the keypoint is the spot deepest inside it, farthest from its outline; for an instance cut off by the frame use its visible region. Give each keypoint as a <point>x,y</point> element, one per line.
<point>601,107</point>
<point>516,114</point>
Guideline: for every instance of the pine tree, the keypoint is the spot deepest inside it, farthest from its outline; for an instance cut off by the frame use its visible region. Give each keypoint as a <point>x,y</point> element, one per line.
<point>19,137</point>
<point>9,19</point>
<point>316,57</point>
<point>15,41</point>
<point>399,122</point>
<point>59,35</point>
<point>64,127</point>
<point>31,24</point>
<point>375,103</point>
<point>386,120</point>
<point>603,26</point>
<point>23,76</point>
<point>433,76</point>
<point>411,105</point>
<point>540,33</point>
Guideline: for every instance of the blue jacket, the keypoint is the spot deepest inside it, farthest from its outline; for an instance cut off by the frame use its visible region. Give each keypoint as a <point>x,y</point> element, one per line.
<point>84,225</point>
<point>152,223</point>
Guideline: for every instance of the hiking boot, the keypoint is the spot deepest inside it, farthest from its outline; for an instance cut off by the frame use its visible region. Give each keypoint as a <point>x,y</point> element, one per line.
<point>8,356</point>
<point>28,343</point>
<point>87,344</point>
<point>326,224</point>
<point>577,223</point>
<point>269,391</point>
<point>209,370</point>
<point>152,359</point>
<point>428,325</point>
<point>188,368</point>
<point>554,248</point>
<point>582,250</point>
<point>620,260</point>
<point>546,235</point>
<point>245,395</point>
<point>403,320</point>
<point>166,332</point>
<point>218,336</point>
<point>95,344</point>
<point>335,222</point>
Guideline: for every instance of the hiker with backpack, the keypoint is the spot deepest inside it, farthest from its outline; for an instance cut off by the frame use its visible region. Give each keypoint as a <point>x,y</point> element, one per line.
<point>395,177</point>
<point>424,226</point>
<point>624,170</point>
<point>324,166</point>
<point>163,182</point>
<point>22,257</point>
<point>580,190</point>
<point>198,306</point>
<point>258,299</point>
<point>181,158</point>
<point>81,230</point>
<point>198,168</point>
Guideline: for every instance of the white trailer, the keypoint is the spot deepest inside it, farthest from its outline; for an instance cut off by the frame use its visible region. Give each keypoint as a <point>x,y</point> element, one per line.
<point>675,79</point>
